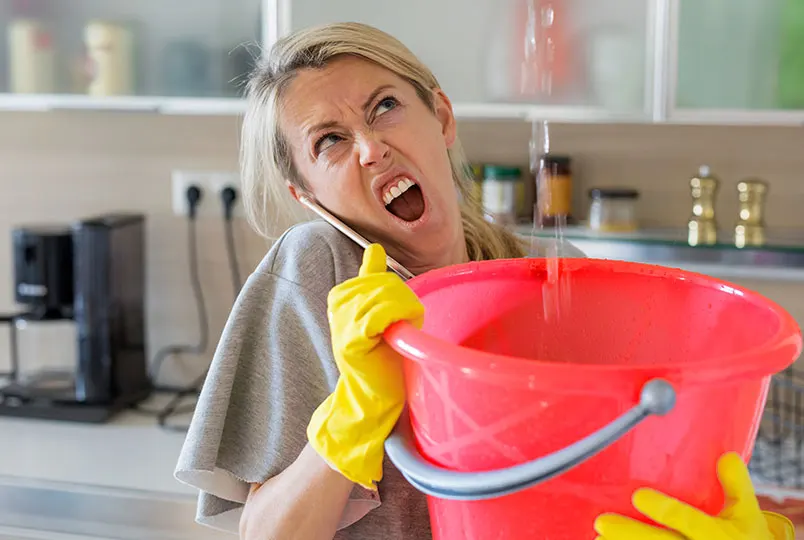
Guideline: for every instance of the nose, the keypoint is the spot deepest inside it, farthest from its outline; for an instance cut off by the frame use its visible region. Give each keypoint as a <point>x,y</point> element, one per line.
<point>373,151</point>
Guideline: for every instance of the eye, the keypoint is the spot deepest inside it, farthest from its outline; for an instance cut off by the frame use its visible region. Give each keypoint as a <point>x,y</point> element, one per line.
<point>386,104</point>
<point>325,142</point>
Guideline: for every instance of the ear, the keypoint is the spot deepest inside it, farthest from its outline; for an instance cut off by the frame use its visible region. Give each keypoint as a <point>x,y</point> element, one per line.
<point>294,192</point>
<point>443,111</point>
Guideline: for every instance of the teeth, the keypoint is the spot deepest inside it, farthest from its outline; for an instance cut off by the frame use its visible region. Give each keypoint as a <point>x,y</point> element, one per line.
<point>401,187</point>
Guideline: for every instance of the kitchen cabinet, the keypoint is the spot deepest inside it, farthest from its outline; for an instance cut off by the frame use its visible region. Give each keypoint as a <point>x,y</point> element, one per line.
<point>586,59</point>
<point>145,55</point>
<point>661,61</point>
<point>737,61</point>
<point>728,54</point>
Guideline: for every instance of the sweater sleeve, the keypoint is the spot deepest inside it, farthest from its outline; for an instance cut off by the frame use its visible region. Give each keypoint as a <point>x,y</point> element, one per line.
<point>273,366</point>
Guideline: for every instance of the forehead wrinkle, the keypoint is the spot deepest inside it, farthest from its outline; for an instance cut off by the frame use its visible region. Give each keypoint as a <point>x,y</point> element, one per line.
<point>315,108</point>
<point>358,111</point>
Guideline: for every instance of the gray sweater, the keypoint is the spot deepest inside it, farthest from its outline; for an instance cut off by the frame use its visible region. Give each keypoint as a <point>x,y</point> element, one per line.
<point>272,368</point>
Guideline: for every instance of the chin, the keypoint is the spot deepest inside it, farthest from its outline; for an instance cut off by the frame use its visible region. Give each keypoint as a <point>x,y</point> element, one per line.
<point>427,246</point>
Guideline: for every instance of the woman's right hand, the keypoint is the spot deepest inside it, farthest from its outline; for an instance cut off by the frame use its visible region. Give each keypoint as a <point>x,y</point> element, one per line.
<point>349,429</point>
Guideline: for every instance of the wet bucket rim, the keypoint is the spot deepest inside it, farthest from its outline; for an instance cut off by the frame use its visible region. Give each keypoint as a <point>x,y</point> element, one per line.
<point>416,345</point>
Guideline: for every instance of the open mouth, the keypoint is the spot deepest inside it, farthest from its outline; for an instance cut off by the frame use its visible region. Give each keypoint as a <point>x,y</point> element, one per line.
<point>404,199</point>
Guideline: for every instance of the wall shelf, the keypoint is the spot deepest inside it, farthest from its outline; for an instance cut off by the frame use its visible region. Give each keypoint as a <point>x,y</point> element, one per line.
<point>567,114</point>
<point>236,106</point>
<point>463,111</point>
<point>141,104</point>
<point>726,117</point>
<point>556,113</point>
<point>781,258</point>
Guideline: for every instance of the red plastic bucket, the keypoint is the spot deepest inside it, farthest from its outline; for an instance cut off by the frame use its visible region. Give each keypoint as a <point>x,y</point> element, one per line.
<point>493,384</point>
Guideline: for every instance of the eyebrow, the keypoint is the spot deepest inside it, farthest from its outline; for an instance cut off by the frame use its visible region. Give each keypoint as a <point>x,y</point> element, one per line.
<point>321,126</point>
<point>374,95</point>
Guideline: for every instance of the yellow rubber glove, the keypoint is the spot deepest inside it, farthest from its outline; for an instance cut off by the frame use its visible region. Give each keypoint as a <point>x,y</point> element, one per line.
<point>741,518</point>
<point>349,429</point>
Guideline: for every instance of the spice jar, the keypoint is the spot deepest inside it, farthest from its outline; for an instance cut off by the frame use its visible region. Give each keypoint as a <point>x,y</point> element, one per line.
<point>500,187</point>
<point>554,190</point>
<point>476,174</point>
<point>525,197</point>
<point>613,209</point>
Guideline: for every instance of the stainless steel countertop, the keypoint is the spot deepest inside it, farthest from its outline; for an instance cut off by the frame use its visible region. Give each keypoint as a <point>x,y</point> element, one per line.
<point>104,481</point>
<point>50,510</point>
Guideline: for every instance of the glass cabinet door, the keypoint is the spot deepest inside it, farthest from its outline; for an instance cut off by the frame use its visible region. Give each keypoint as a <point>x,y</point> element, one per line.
<point>740,55</point>
<point>585,53</point>
<point>100,48</point>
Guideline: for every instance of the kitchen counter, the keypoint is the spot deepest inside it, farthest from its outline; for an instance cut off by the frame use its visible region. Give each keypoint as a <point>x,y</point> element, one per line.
<point>107,481</point>
<point>131,453</point>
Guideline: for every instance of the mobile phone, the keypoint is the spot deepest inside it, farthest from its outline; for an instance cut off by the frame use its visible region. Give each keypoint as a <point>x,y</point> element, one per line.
<point>400,270</point>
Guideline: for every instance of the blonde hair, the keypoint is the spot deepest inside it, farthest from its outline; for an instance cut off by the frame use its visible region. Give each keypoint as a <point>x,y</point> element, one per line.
<point>265,159</point>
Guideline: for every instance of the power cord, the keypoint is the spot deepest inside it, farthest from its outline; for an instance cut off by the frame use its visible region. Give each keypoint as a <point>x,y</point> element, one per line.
<point>173,407</point>
<point>228,198</point>
<point>193,200</point>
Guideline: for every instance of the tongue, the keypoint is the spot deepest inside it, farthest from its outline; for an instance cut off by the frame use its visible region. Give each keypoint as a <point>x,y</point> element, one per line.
<point>409,206</point>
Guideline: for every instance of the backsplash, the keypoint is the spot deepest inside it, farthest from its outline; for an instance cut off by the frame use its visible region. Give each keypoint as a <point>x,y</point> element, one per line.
<point>59,166</point>
<point>658,160</point>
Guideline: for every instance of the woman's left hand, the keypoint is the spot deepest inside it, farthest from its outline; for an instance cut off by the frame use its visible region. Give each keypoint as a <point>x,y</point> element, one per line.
<point>742,519</point>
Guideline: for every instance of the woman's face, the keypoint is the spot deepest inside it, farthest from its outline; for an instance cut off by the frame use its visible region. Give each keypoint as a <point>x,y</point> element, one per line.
<point>372,153</point>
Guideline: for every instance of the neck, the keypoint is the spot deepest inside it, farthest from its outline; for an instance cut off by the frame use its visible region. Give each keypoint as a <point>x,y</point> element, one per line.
<point>457,254</point>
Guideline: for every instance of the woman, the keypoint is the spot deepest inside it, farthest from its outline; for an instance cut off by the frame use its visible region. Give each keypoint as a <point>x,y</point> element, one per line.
<point>286,441</point>
<point>347,115</point>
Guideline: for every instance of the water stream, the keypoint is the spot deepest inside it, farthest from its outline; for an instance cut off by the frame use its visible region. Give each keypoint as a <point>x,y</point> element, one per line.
<point>537,77</point>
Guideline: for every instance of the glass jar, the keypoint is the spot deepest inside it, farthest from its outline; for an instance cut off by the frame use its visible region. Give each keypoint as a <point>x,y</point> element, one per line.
<point>47,352</point>
<point>613,209</point>
<point>500,189</point>
<point>554,190</point>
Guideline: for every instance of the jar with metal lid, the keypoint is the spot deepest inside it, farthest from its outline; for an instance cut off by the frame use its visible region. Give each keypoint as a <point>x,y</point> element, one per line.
<point>554,190</point>
<point>500,187</point>
<point>613,209</point>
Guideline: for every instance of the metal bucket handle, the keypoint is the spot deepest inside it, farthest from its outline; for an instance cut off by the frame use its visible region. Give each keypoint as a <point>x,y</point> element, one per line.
<point>657,397</point>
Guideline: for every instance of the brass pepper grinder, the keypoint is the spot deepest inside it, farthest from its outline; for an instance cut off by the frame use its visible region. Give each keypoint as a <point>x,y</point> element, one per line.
<point>750,228</point>
<point>702,227</point>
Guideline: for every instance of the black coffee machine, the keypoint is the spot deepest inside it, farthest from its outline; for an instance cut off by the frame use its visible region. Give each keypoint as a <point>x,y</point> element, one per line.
<point>88,276</point>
